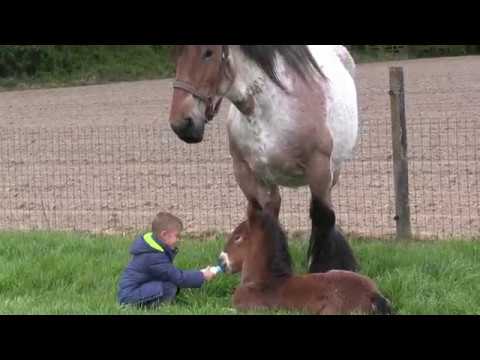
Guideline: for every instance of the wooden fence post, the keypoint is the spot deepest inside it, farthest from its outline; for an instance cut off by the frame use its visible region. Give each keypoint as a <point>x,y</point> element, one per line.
<point>400,153</point>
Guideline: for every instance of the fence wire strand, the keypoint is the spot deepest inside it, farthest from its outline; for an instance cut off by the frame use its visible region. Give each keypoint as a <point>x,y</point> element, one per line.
<point>116,178</point>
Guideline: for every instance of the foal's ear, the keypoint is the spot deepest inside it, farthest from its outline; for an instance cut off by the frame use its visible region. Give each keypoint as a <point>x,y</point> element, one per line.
<point>254,211</point>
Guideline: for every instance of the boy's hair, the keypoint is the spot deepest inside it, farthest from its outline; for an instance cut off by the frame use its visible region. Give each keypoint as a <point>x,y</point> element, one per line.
<point>166,222</point>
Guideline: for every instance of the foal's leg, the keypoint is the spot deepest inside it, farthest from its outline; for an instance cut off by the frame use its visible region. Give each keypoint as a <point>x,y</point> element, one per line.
<point>329,250</point>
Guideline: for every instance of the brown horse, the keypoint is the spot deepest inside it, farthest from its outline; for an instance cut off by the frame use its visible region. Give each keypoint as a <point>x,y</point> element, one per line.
<point>258,248</point>
<point>293,123</point>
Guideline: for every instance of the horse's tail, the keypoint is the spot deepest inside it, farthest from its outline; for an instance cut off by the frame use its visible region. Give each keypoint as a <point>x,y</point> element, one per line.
<point>381,306</point>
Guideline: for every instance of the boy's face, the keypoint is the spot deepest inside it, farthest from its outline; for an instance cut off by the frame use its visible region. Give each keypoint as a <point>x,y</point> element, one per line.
<point>170,237</point>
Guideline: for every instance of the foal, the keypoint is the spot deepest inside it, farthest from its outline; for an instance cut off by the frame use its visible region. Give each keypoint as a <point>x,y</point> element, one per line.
<point>258,248</point>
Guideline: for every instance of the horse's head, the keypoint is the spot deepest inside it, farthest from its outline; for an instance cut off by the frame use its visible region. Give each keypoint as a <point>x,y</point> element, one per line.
<point>235,251</point>
<point>201,81</point>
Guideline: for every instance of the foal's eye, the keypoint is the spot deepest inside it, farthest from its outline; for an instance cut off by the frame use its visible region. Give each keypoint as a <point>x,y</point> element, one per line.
<point>208,54</point>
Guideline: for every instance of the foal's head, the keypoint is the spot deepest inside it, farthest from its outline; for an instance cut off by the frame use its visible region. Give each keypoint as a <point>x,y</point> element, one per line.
<point>260,240</point>
<point>235,252</point>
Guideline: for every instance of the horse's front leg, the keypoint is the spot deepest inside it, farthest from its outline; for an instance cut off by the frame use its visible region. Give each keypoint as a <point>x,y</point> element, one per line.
<point>257,192</point>
<point>329,250</point>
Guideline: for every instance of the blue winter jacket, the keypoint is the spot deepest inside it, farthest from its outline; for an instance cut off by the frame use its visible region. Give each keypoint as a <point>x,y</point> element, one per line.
<point>150,268</point>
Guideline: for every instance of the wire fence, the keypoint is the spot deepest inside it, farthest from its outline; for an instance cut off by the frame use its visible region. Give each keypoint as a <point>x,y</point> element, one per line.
<point>115,179</point>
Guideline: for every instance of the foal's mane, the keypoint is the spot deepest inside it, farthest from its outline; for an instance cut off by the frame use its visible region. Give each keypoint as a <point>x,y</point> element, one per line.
<point>280,261</point>
<point>298,57</point>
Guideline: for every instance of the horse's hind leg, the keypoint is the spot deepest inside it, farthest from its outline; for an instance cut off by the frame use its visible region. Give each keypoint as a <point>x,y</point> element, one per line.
<point>329,250</point>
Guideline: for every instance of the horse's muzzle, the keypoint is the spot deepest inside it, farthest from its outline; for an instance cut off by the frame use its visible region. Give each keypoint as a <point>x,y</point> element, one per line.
<point>189,131</point>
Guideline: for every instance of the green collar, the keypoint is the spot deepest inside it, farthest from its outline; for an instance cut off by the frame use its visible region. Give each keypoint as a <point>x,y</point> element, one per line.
<point>150,240</point>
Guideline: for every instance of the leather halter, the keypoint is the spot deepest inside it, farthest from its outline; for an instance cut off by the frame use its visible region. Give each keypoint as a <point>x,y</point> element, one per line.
<point>211,109</point>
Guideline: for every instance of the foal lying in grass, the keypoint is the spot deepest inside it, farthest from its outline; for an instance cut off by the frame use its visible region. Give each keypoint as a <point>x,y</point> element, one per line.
<point>258,248</point>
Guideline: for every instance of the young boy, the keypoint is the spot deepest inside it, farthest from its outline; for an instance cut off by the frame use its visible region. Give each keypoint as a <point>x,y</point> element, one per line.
<point>151,278</point>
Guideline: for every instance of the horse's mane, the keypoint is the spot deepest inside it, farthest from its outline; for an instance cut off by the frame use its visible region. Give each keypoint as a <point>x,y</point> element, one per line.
<point>298,57</point>
<point>280,261</point>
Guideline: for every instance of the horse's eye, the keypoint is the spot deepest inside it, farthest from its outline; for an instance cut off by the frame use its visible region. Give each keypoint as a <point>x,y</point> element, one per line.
<point>208,54</point>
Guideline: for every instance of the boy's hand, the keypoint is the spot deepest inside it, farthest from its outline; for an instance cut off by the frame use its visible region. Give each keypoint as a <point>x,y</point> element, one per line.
<point>208,274</point>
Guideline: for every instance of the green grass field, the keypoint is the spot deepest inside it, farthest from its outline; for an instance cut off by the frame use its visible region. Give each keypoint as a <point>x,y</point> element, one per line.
<point>77,274</point>
<point>25,67</point>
